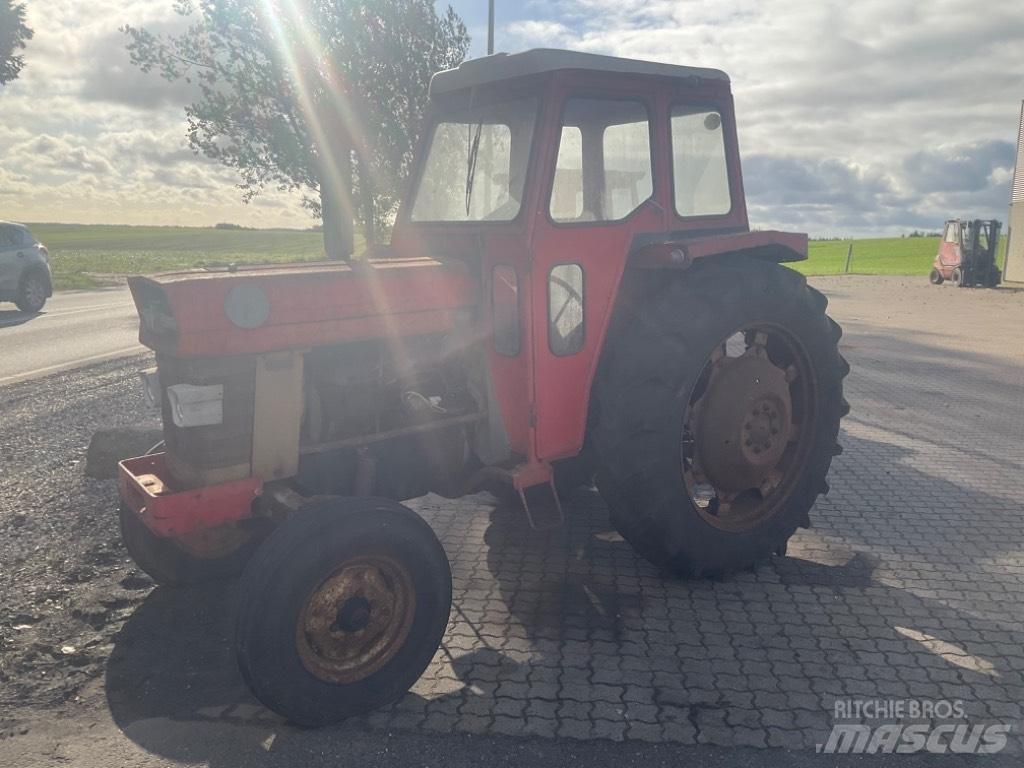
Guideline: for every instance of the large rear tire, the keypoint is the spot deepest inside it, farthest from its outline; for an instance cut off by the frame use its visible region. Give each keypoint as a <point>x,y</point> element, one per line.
<point>717,413</point>
<point>935,278</point>
<point>342,608</point>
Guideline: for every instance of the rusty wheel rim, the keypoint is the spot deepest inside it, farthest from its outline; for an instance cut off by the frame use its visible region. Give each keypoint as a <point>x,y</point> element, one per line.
<point>356,620</point>
<point>747,427</point>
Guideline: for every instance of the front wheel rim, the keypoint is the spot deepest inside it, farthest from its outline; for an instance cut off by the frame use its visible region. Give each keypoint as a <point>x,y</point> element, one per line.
<point>357,619</point>
<point>747,427</point>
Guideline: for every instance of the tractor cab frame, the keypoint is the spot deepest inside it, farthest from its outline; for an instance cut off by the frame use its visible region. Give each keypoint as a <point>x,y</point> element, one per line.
<point>565,169</point>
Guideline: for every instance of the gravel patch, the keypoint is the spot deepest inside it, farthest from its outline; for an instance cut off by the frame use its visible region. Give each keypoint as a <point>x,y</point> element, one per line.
<point>67,581</point>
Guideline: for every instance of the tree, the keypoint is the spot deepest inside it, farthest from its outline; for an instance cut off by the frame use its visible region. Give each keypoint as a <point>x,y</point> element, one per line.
<point>290,91</point>
<point>14,34</point>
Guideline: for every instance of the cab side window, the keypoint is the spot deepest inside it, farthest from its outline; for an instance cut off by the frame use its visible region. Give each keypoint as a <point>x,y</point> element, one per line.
<point>952,233</point>
<point>603,171</point>
<point>700,174</point>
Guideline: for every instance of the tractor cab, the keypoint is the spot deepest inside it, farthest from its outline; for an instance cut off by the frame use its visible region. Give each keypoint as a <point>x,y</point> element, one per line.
<point>967,254</point>
<point>550,174</point>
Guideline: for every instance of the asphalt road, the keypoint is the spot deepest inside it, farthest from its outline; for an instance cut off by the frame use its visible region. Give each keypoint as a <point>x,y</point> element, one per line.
<point>75,328</point>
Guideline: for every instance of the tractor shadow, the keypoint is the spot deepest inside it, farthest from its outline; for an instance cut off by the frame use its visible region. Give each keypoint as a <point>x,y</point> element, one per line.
<point>576,607</point>
<point>172,685</point>
<point>841,617</point>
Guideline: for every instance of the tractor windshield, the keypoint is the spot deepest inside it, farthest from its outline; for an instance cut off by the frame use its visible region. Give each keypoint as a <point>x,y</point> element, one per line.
<point>476,164</point>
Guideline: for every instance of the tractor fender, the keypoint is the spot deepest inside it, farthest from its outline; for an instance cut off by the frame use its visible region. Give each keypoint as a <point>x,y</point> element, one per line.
<point>676,251</point>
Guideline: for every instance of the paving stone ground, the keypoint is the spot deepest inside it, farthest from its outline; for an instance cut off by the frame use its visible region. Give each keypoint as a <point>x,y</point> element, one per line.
<point>908,586</point>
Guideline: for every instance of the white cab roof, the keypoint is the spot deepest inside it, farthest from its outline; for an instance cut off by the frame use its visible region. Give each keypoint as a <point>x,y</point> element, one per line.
<point>502,66</point>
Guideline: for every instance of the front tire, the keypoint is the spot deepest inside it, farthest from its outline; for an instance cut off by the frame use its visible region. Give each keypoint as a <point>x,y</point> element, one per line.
<point>709,460</point>
<point>342,609</point>
<point>32,293</point>
<point>958,278</point>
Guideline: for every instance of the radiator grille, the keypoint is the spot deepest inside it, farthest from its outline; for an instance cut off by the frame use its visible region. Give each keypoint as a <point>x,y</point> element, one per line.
<point>197,453</point>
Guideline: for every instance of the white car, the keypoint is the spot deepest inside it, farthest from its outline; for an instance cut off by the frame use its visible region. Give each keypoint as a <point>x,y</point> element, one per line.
<point>25,276</point>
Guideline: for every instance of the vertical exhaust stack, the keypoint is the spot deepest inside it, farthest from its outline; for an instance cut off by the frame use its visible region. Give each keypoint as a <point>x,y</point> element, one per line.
<point>1013,268</point>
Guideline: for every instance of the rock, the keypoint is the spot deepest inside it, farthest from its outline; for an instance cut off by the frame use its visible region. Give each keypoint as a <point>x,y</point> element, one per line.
<point>109,446</point>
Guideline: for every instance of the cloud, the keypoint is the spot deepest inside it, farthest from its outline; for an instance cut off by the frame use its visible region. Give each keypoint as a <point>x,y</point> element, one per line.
<point>111,77</point>
<point>924,190</point>
<point>540,33</point>
<point>871,114</point>
<point>854,118</point>
<point>86,137</point>
<point>59,154</point>
<point>777,180</point>
<point>963,168</point>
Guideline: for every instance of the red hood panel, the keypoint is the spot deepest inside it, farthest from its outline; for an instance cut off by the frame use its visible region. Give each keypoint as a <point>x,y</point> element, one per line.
<point>198,314</point>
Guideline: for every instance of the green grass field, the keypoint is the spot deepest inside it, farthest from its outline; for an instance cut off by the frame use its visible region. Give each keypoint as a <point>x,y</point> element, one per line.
<point>876,256</point>
<point>82,255</point>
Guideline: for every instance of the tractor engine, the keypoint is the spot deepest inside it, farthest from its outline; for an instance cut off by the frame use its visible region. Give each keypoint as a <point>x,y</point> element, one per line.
<point>373,422</point>
<point>335,397</point>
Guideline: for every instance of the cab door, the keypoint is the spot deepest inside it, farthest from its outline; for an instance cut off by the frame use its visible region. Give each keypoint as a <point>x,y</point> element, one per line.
<point>602,175</point>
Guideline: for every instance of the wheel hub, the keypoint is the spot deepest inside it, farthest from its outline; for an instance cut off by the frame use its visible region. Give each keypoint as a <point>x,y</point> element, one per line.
<point>743,422</point>
<point>353,615</point>
<point>356,620</point>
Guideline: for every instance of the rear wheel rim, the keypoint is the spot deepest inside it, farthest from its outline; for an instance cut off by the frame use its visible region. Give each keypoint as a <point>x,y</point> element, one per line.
<point>357,619</point>
<point>747,427</point>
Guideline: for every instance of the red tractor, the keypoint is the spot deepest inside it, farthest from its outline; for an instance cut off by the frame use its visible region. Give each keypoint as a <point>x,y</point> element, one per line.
<point>572,291</point>
<point>967,254</point>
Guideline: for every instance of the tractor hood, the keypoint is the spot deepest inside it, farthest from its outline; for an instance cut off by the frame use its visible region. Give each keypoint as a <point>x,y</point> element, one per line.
<point>262,309</point>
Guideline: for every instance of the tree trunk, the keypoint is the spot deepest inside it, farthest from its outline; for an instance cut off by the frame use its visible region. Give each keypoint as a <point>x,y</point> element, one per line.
<point>366,192</point>
<point>336,201</point>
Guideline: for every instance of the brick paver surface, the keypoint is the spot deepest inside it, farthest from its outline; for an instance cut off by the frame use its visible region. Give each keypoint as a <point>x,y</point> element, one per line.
<point>908,585</point>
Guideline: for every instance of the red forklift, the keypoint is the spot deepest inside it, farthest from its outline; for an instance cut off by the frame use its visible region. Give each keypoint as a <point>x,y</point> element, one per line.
<point>967,254</point>
<point>572,289</point>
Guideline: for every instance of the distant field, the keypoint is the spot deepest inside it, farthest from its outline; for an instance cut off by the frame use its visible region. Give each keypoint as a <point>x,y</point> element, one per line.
<point>876,256</point>
<point>81,255</point>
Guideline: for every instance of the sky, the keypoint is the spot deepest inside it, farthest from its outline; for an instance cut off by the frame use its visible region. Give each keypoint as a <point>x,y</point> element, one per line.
<point>868,118</point>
